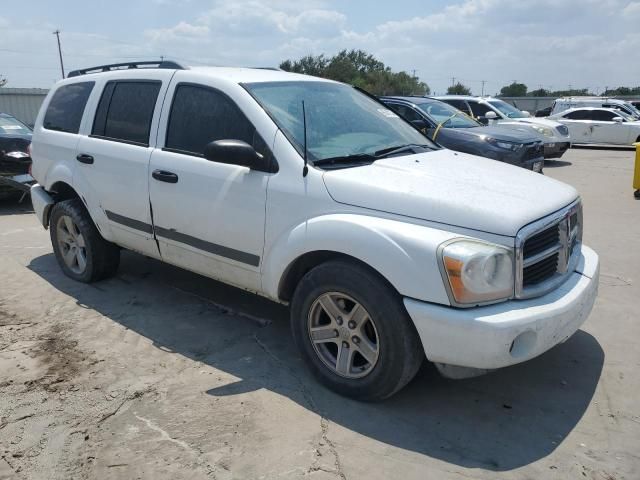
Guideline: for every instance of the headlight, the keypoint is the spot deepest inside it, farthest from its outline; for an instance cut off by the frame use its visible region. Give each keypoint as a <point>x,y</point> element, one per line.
<point>546,131</point>
<point>477,272</point>
<point>514,147</point>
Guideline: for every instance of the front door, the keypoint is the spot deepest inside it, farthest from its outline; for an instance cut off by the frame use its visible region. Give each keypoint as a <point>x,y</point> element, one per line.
<point>208,217</point>
<point>605,130</point>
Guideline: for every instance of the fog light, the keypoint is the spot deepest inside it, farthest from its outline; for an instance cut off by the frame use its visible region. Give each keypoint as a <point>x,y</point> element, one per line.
<point>523,344</point>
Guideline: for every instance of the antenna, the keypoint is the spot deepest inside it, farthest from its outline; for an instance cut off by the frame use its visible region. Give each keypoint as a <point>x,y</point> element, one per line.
<point>305,170</point>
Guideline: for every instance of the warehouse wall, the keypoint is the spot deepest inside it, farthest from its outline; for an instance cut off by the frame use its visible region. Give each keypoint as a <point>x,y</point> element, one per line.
<point>22,103</point>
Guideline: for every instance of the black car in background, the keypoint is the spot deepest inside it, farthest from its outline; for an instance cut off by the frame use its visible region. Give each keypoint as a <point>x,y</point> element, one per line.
<point>15,160</point>
<point>454,130</point>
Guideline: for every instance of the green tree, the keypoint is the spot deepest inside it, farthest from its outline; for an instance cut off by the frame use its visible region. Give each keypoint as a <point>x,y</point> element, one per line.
<point>361,69</point>
<point>458,89</point>
<point>622,91</point>
<point>514,90</point>
<point>541,92</point>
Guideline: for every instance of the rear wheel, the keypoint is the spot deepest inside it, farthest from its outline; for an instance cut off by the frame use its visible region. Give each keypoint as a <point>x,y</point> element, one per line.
<point>81,251</point>
<point>354,332</point>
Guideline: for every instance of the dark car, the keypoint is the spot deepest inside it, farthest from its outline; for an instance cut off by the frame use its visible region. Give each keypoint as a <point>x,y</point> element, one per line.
<point>15,160</point>
<point>454,130</point>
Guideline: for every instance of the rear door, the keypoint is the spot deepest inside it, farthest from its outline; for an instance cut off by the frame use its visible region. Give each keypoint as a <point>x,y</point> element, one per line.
<point>113,158</point>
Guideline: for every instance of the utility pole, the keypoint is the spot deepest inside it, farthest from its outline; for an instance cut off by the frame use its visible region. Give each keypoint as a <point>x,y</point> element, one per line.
<point>453,81</point>
<point>483,82</point>
<point>57,34</point>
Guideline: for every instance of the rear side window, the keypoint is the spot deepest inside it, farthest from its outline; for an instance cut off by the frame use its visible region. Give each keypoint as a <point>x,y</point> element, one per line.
<point>66,107</point>
<point>577,115</point>
<point>200,115</point>
<point>125,111</point>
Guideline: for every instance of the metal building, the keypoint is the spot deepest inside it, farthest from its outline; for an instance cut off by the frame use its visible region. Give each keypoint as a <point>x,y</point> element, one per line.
<point>22,103</point>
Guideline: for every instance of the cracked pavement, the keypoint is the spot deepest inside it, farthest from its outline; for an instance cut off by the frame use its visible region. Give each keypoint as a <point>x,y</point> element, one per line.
<point>159,373</point>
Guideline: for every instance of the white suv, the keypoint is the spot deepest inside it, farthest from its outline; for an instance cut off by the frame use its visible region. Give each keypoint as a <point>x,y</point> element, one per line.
<point>387,247</point>
<point>487,110</point>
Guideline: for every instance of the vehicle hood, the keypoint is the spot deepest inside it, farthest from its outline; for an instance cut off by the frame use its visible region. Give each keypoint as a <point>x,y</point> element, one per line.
<point>515,135</point>
<point>537,121</point>
<point>451,188</point>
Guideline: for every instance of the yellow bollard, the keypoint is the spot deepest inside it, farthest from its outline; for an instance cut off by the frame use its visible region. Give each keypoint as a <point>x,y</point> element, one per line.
<point>636,173</point>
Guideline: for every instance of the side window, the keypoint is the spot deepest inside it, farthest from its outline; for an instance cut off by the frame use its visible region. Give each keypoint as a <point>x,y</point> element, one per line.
<point>66,107</point>
<point>479,109</point>
<point>125,111</point>
<point>200,115</point>
<point>602,116</point>
<point>577,115</point>
<point>460,105</point>
<point>405,112</point>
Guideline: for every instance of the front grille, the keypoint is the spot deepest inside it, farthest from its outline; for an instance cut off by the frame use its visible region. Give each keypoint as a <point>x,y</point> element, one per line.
<point>563,130</point>
<point>542,241</point>
<point>545,251</point>
<point>535,150</point>
<point>541,271</point>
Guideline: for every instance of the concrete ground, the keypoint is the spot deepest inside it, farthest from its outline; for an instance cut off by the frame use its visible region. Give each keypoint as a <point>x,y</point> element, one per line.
<point>159,373</point>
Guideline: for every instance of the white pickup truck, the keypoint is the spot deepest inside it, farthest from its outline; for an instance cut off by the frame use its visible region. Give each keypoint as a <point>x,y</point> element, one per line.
<point>387,247</point>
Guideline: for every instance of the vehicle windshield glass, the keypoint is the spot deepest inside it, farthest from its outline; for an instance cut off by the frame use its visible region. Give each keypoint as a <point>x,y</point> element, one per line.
<point>625,115</point>
<point>449,116</point>
<point>11,126</point>
<point>507,109</point>
<point>341,121</point>
<point>631,110</point>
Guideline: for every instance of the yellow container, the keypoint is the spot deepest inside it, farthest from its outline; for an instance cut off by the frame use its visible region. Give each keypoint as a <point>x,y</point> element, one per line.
<point>636,173</point>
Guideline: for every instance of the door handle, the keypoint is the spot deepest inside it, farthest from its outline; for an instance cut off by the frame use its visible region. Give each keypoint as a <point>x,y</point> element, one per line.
<point>84,158</point>
<point>164,176</point>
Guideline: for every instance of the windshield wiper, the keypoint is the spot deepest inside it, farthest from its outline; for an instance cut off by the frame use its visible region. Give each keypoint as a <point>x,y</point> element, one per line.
<point>387,152</point>
<point>355,158</point>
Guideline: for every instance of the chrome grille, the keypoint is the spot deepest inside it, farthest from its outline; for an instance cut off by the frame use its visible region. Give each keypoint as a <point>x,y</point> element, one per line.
<point>563,130</point>
<point>546,253</point>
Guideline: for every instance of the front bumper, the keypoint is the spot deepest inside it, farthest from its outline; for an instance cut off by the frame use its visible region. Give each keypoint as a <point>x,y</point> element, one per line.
<point>507,333</point>
<point>555,149</point>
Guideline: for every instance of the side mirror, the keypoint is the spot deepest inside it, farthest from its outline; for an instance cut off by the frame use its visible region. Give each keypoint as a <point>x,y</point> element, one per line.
<point>490,115</point>
<point>236,152</point>
<point>618,119</point>
<point>525,113</point>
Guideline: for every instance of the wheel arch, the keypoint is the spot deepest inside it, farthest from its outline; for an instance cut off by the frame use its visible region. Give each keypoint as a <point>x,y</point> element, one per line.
<point>403,254</point>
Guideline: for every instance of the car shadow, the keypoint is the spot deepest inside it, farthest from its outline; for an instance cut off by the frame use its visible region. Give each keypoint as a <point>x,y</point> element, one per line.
<point>501,421</point>
<point>556,163</point>
<point>12,205</point>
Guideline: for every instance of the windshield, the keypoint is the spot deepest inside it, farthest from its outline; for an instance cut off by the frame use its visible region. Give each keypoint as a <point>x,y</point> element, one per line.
<point>11,126</point>
<point>448,116</point>
<point>507,109</point>
<point>341,121</point>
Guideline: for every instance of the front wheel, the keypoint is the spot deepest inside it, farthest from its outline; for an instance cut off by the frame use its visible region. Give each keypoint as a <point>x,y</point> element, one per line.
<point>354,332</point>
<point>81,251</point>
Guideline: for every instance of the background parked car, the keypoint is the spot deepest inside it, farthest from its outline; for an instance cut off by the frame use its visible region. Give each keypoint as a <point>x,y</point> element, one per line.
<point>562,104</point>
<point>453,129</point>
<point>600,125</point>
<point>488,110</point>
<point>15,138</point>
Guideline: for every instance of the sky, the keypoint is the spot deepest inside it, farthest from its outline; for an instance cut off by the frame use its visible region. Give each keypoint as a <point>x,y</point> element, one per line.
<point>553,44</point>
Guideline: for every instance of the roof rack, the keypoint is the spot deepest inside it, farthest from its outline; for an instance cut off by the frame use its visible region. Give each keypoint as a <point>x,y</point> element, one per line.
<point>126,66</point>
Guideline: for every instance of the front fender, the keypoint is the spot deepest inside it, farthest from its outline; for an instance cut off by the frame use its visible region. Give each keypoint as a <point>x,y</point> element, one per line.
<point>403,253</point>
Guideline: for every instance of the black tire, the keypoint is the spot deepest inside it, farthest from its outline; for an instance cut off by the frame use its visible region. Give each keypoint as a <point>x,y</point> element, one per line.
<point>400,350</point>
<point>102,257</point>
